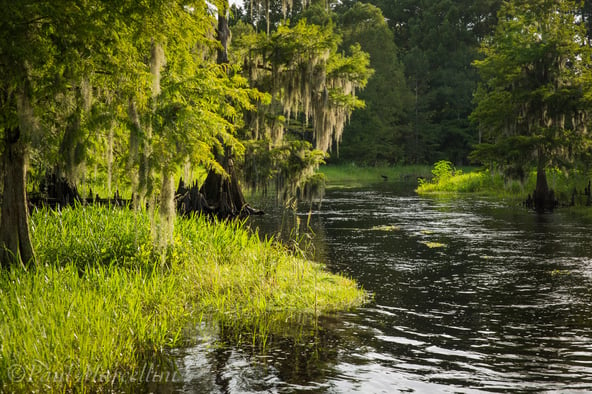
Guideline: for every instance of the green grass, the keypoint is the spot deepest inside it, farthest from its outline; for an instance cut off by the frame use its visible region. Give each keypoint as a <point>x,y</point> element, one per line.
<point>496,185</point>
<point>470,182</point>
<point>351,174</point>
<point>102,299</point>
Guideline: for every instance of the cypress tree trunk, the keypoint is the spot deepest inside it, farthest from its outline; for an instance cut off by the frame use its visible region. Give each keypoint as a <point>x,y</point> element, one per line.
<point>167,209</point>
<point>15,240</point>
<point>223,33</point>
<point>543,197</point>
<point>224,194</point>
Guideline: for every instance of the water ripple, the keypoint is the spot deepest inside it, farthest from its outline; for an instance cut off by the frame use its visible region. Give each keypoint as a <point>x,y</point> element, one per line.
<point>500,302</point>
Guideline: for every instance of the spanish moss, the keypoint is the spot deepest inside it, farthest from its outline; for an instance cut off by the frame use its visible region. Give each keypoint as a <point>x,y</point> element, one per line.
<point>134,149</point>
<point>157,62</point>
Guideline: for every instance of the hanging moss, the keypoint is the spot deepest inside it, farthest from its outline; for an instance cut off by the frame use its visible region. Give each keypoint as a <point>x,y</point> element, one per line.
<point>140,139</point>
<point>313,92</point>
<point>109,157</point>
<point>157,62</point>
<point>73,146</point>
<point>28,123</point>
<point>134,148</point>
<point>299,66</point>
<point>86,94</point>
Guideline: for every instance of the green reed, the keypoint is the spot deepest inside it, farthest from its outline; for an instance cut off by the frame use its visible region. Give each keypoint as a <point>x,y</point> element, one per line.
<point>100,301</point>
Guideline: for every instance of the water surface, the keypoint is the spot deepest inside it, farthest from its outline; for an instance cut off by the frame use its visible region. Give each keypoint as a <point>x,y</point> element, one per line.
<point>470,295</point>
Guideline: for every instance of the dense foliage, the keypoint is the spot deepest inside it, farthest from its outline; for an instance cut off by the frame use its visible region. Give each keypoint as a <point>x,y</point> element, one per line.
<point>532,106</point>
<point>435,42</point>
<point>132,96</point>
<point>376,135</point>
<point>313,80</point>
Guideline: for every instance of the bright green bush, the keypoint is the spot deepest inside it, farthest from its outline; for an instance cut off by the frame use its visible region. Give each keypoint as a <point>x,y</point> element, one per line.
<point>442,171</point>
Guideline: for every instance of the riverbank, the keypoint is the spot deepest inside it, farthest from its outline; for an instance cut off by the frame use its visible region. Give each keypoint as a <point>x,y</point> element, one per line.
<point>446,180</point>
<point>352,175</point>
<point>103,300</point>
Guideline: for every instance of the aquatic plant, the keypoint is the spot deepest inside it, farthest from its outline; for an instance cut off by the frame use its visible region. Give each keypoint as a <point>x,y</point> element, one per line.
<point>433,245</point>
<point>443,170</point>
<point>104,298</point>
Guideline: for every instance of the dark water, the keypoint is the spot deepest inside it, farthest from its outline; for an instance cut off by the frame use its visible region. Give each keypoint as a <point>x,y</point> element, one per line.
<point>470,295</point>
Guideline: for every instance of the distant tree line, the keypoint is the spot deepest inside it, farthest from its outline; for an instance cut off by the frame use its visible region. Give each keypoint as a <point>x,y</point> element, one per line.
<point>420,98</point>
<point>505,84</point>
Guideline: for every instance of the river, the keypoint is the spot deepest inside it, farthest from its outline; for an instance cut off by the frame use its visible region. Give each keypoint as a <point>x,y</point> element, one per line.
<point>470,295</point>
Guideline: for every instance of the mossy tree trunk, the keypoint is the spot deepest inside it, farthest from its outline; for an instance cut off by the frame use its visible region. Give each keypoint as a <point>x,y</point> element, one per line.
<point>15,240</point>
<point>223,33</point>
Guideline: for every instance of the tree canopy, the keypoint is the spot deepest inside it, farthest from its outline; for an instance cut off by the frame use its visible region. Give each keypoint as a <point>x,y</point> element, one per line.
<point>313,83</point>
<point>376,134</point>
<point>532,106</point>
<point>436,42</point>
<point>141,76</point>
<point>133,94</point>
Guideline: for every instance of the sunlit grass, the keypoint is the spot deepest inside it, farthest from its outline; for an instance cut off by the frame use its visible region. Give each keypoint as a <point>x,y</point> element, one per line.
<point>469,182</point>
<point>496,185</point>
<point>102,298</point>
<point>479,182</point>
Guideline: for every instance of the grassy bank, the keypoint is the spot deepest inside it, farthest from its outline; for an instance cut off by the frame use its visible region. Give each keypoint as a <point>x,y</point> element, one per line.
<point>102,299</point>
<point>480,182</point>
<point>446,179</point>
<point>348,174</point>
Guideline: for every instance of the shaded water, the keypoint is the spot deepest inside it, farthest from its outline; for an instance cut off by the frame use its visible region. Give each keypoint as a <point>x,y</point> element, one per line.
<point>470,295</point>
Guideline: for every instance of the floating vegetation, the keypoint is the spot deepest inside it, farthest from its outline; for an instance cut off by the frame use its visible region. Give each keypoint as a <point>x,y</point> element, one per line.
<point>427,232</point>
<point>433,245</point>
<point>385,227</point>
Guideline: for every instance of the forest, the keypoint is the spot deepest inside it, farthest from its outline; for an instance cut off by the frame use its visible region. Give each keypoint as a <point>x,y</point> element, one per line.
<point>133,97</point>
